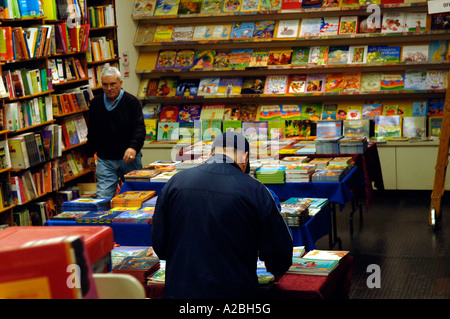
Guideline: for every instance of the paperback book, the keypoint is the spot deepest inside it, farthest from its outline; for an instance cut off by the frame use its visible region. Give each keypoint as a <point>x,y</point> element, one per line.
<point>276,84</point>
<point>329,26</point>
<point>287,28</point>
<point>338,54</point>
<point>264,29</point>
<point>348,25</point>
<point>318,55</point>
<point>415,80</point>
<point>310,27</point>
<point>230,86</point>
<point>279,58</point>
<point>357,54</point>
<point>240,58</point>
<point>383,54</point>
<point>300,56</point>
<point>259,58</point>
<point>415,53</point>
<point>315,83</point>
<point>242,30</point>
<point>296,84</point>
<point>208,86</point>
<point>393,22</point>
<point>371,81</point>
<point>253,85</point>
<point>334,82</point>
<point>187,87</point>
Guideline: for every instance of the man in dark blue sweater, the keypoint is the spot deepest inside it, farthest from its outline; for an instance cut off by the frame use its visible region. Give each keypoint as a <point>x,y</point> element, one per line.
<point>212,222</point>
<point>116,132</point>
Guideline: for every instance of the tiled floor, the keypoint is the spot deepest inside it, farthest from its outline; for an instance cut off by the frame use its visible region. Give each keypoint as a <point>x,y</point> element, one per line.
<point>413,259</point>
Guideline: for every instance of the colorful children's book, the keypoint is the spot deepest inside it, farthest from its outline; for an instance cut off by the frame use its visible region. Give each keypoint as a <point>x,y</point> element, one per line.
<point>253,85</point>
<point>440,21</point>
<point>329,128</point>
<point>315,83</point>
<point>222,59</point>
<point>169,113</point>
<point>269,112</point>
<point>390,110</point>
<point>415,127</point>
<point>144,8</point>
<point>264,29</point>
<point>291,5</point>
<point>338,54</point>
<point>435,107</point>
<point>208,86</point>
<point>232,126</point>
<point>287,28</point>
<point>204,59</point>
<point>145,33</point>
<point>167,7</point>
<point>187,87</point>
<point>370,24</point>
<point>434,126</point>
<point>250,6</point>
<point>279,58</point>
<point>291,111</point>
<point>420,108</point>
<point>276,84</point>
<point>276,129</point>
<point>211,128</point>
<point>357,54</point>
<point>330,3</point>
<point>334,82</point>
<point>415,53</point>
<point>436,79</point>
<point>242,30</point>
<point>393,22</point>
<point>329,26</point>
<point>415,22</point>
<point>240,58</point>
<point>189,6</point>
<point>268,6</point>
<point>230,86</point>
<point>356,128</point>
<point>329,112</point>
<point>231,6</point>
<point>166,59</point>
<point>310,27</point>
<point>168,131</point>
<point>438,50</point>
<point>248,112</point>
<point>371,81</point>
<point>318,55</point>
<point>259,58</point>
<point>309,4</point>
<point>231,112</point>
<point>185,59</point>
<point>352,81</point>
<point>415,80</point>
<point>312,111</point>
<point>348,25</point>
<point>211,6</point>
<point>296,83</point>
<point>349,3</point>
<point>189,112</point>
<point>182,33</point>
<point>163,33</point>
<point>369,111</point>
<point>212,111</point>
<point>388,126</point>
<point>354,112</point>
<point>341,112</point>
<point>383,54</point>
<point>405,109</point>
<point>300,56</point>
<point>167,86</point>
<point>392,81</point>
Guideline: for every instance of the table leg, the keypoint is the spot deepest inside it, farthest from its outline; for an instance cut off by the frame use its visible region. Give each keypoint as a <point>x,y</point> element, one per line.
<point>335,239</point>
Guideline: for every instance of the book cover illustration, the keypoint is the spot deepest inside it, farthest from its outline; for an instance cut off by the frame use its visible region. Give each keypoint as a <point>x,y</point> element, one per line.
<point>415,127</point>
<point>169,113</point>
<point>300,56</point>
<point>232,126</point>
<point>334,82</point>
<point>144,8</point>
<point>248,112</point>
<point>167,7</point>
<point>393,22</point>
<point>435,79</point>
<point>182,33</point>
<point>264,29</point>
<point>434,126</point>
<point>329,128</point>
<point>212,111</point>
<point>435,107</point>
<point>309,4</point>
<point>369,25</point>
<point>330,3</point>
<point>185,59</point>
<point>371,81</point>
<point>415,22</point>
<point>168,131</point>
<point>405,109</point>
<point>250,5</point>
<point>310,27</point>
<point>259,58</point>
<point>230,86</point>
<point>231,112</point>
<point>166,59</point>
<point>145,33</point>
<point>355,128</point>
<point>349,3</point>
<point>279,58</point>
<point>392,81</point>
<point>231,6</point>
<point>270,6</point>
<point>189,6</point>
<point>255,130</point>
<point>383,54</point>
<point>329,112</point>
<point>189,112</point>
<point>219,32</point>
<point>296,84</point>
<point>338,54</point>
<point>420,108</point>
<point>242,30</point>
<point>438,50</point>
<point>352,82</point>
<point>276,84</point>
<point>354,112</point>
<point>318,55</point>
<point>291,111</point>
<point>270,112</point>
<point>415,80</point>
<point>348,25</point>
<point>440,21</point>
<point>187,87</point>
<point>388,126</point>
<point>369,111</point>
<point>253,85</point>
<point>312,111</point>
<point>341,112</point>
<point>329,26</point>
<point>208,85</point>
<point>222,59</point>
<point>390,110</point>
<point>415,53</point>
<point>357,54</point>
<point>167,86</point>
<point>240,58</point>
<point>315,83</point>
<point>163,33</point>
<point>204,59</point>
<point>211,6</point>
<point>291,5</point>
<point>287,28</point>
<point>276,129</point>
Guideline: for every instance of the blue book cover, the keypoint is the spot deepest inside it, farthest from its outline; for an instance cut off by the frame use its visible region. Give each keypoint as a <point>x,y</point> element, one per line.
<point>189,112</point>
<point>242,30</point>
<point>187,87</point>
<point>383,53</point>
<point>420,108</point>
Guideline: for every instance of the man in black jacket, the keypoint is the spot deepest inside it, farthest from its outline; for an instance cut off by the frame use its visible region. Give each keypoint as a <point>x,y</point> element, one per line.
<point>116,132</point>
<point>212,222</point>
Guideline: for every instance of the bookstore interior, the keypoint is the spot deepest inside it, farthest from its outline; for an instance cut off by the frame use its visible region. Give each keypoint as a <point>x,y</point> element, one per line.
<point>337,98</point>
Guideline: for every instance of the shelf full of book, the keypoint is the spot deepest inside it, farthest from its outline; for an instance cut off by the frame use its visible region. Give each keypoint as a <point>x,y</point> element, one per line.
<point>330,56</point>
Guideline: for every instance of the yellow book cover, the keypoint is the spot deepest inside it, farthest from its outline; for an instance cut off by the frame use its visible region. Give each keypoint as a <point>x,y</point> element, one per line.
<point>163,33</point>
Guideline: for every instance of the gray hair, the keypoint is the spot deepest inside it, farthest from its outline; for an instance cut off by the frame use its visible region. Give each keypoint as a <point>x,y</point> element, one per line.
<point>111,71</point>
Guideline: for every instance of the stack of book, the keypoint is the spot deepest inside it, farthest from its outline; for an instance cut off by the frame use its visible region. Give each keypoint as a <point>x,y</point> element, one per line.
<point>339,160</point>
<point>353,145</point>
<point>98,217</point>
<point>299,173</point>
<point>150,202</point>
<point>131,198</point>
<point>139,267</point>
<point>143,215</point>
<point>118,253</point>
<point>295,214</point>
<point>294,160</point>
<point>141,175</point>
<point>159,277</point>
<point>315,204</point>
<point>69,215</point>
<point>328,175</point>
<point>320,162</point>
<point>327,145</point>
<point>163,177</point>
<point>316,262</point>
<point>265,278</point>
<point>86,204</point>
<point>271,174</point>
<point>190,164</point>
<point>305,147</point>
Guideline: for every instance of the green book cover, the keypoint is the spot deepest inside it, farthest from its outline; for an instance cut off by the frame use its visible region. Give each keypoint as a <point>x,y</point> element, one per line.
<point>232,126</point>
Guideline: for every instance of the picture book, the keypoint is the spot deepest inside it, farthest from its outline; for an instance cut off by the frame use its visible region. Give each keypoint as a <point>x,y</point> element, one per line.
<point>167,7</point>
<point>269,112</point>
<point>212,111</point>
<point>220,32</point>
<point>264,29</point>
<point>355,128</point>
<point>392,22</point>
<point>371,81</point>
<point>208,86</point>
<point>168,131</point>
<point>392,81</point>
<point>211,6</point>
<point>310,27</point>
<point>287,28</point>
<point>166,59</point>
<point>438,50</point>
<point>230,86</point>
<point>189,112</point>
<point>415,127</point>
<point>200,32</point>
<point>415,53</point>
<point>169,113</point>
<point>151,110</point>
<point>357,54</point>
<point>369,111</point>
<point>435,107</point>
<point>291,111</point>
<point>145,33</point>
<point>163,33</point>
<point>354,112</point>
<point>231,6</point>
<point>276,84</point>
<point>221,60</point>
<point>300,56</point>
<point>240,58</point>
<point>383,54</point>
<point>312,111</point>
<point>352,81</point>
<point>182,33</point>
<point>276,129</point>
<point>232,126</point>
<point>341,111</point>
<point>420,108</point>
<point>268,6</point>
<point>255,130</point>
<point>250,5</point>
<point>329,128</point>
<point>167,86</point>
<point>309,4</point>
<point>389,110</point>
<point>349,3</point>
<point>296,83</point>
<point>405,109</point>
<point>434,126</point>
<point>211,128</point>
<point>330,3</point>
<point>415,22</point>
<point>231,112</point>
<point>189,6</point>
<point>187,87</point>
<point>143,8</point>
<point>436,79</point>
<point>253,85</point>
<point>440,21</point>
<point>279,58</point>
<point>415,80</point>
<point>248,112</point>
<point>348,25</point>
<point>329,112</point>
<point>185,59</point>
<point>370,24</point>
<point>259,58</point>
<point>318,55</point>
<point>204,59</point>
<point>242,30</point>
<point>338,54</point>
<point>334,82</point>
<point>329,26</point>
<point>315,83</point>
<point>388,126</point>
<point>291,5</point>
